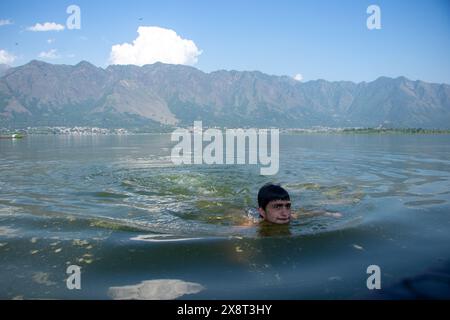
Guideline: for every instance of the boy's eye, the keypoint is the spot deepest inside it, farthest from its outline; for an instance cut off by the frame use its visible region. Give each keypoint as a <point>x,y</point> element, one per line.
<point>280,206</point>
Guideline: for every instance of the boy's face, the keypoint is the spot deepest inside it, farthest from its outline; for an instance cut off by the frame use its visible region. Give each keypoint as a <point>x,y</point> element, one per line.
<point>277,211</point>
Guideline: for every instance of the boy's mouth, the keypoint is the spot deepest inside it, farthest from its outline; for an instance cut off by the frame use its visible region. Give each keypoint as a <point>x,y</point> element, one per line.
<point>283,220</point>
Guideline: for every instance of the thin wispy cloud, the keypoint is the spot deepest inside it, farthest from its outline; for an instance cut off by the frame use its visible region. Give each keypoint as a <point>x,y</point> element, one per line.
<point>47,26</point>
<point>5,22</point>
<point>6,57</point>
<point>51,54</point>
<point>155,44</point>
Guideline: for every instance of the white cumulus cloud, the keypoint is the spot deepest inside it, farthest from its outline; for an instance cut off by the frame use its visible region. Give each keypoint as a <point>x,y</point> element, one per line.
<point>298,77</point>
<point>155,44</point>
<point>47,26</point>
<point>5,22</point>
<point>51,54</point>
<point>6,57</point>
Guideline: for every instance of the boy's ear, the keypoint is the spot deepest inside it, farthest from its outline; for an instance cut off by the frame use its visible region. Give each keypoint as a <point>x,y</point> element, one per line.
<point>262,212</point>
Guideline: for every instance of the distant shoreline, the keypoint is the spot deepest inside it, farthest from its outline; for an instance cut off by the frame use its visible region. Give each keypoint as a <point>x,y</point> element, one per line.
<point>95,131</point>
<point>370,131</point>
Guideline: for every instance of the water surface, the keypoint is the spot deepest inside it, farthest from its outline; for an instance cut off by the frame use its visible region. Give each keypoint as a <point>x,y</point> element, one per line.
<point>117,207</point>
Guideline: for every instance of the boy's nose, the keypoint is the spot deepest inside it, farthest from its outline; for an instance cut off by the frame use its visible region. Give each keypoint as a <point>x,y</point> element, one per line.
<point>285,212</point>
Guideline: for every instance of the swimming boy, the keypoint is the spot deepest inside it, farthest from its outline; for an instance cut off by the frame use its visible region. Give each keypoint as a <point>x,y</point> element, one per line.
<point>274,204</point>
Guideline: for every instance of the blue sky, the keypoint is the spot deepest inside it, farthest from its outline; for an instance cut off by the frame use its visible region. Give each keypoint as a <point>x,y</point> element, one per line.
<point>317,39</point>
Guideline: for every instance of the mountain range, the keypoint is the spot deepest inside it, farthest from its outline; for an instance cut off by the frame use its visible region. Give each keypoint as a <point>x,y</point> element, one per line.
<point>43,94</point>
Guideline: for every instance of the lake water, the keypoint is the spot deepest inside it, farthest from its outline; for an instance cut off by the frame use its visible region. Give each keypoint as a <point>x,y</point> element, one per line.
<point>141,227</point>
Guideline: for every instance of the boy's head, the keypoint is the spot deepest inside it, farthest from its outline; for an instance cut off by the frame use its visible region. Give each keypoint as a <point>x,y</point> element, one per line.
<point>274,204</point>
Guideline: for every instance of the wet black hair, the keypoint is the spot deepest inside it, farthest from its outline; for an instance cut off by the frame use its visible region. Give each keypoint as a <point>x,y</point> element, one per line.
<point>271,192</point>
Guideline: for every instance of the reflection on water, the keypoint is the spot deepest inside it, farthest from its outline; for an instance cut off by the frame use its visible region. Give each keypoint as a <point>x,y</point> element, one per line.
<point>155,290</point>
<point>161,238</point>
<point>107,192</point>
